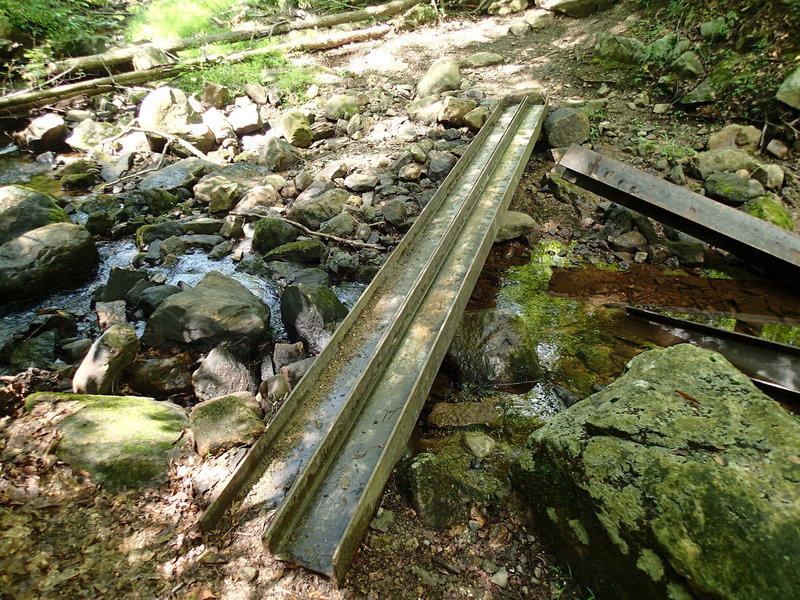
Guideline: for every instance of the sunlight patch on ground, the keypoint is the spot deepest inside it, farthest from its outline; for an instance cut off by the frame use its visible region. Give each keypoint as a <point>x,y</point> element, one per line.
<point>380,59</point>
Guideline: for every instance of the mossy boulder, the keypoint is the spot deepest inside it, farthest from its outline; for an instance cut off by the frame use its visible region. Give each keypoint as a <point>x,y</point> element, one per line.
<point>121,441</point>
<point>769,208</point>
<point>270,233</point>
<point>23,209</point>
<point>225,422</point>
<point>310,313</point>
<point>442,486</point>
<point>312,212</point>
<point>300,251</point>
<point>679,480</point>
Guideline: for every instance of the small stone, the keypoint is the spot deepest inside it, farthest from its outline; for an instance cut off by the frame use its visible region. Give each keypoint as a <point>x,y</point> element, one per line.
<point>501,577</point>
<point>778,149</point>
<point>661,109</point>
<point>480,444</point>
<point>629,241</point>
<point>248,573</point>
<point>382,520</point>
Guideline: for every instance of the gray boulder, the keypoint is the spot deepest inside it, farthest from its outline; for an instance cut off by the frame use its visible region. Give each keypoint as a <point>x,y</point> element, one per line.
<point>657,486</point>
<point>481,59</point>
<point>566,126</point>
<point>45,259</point>
<point>312,212</point>
<point>341,225</point>
<point>168,110</point>
<point>89,134</point>
<point>745,137</point>
<point>489,346</point>
<point>442,76</point>
<point>221,373</point>
<point>425,109</point>
<point>454,110</point>
<point>687,66</point>
<point>286,354</point>
<point>245,119</point>
<point>307,252</point>
<point>270,233</point>
<point>310,313</point>
<point>42,133</point>
<point>161,377</point>
<point>732,188</point>
<point>360,182</point>
<point>110,354</point>
<point>37,352</point>
<point>475,118</point>
<point>575,8</point>
<point>277,155</point>
<point>789,90</point>
<point>182,174</point>
<point>23,209</point>
<point>225,422</point>
<point>440,164</point>
<point>506,7</point>
<point>514,224</point>
<point>724,160</point>
<point>218,191</point>
<point>219,309</point>
<point>124,449</point>
<point>618,48</point>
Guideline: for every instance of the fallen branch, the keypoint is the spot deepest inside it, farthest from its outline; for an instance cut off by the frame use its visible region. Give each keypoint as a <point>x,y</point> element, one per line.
<point>19,104</point>
<point>327,236</point>
<point>125,55</point>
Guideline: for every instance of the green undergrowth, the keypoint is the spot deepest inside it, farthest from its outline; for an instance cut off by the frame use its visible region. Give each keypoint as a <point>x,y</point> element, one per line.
<point>174,19</point>
<point>268,69</point>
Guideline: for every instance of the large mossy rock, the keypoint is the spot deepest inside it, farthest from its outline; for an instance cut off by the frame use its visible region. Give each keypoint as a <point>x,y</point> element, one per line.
<point>490,347</point>
<point>121,441</point>
<point>23,209</point>
<point>45,259</point>
<point>312,212</point>
<point>310,313</point>
<point>219,309</point>
<point>679,480</point>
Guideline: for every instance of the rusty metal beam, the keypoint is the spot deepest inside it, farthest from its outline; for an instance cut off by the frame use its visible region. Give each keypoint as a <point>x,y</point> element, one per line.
<point>762,244</point>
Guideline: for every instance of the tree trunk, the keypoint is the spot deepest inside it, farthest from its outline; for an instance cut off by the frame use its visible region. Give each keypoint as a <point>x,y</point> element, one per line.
<point>16,105</point>
<point>120,56</point>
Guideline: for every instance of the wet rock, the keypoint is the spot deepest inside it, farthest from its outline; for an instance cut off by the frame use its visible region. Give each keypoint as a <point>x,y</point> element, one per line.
<point>475,118</point>
<point>515,224</point>
<point>112,353</point>
<point>286,354</point>
<point>465,414</point>
<point>221,373</point>
<point>161,377</point>
<point>745,137</point>
<point>566,126</point>
<point>36,352</point>
<point>443,75</point>
<point>650,473</point>
<point>124,450</point>
<point>360,182</point>
<point>295,371</point>
<point>120,282</point>
<point>489,347</point>
<point>479,444</point>
<point>482,59</point>
<point>42,133</point>
<point>725,160</point>
<point>219,309</point>
<point>770,208</point>
<point>168,110</point>
<point>789,90</point>
<point>45,259</point>
<point>147,234</point>
<point>23,209</point>
<point>394,212</point>
<point>293,125</point>
<point>341,225</point>
<point>312,212</point>
<point>425,109</point>
<point>310,313</point>
<point>271,233</point>
<point>626,50</point>
<point>440,164</point>
<point>89,134</point>
<point>182,174</point>
<point>732,188</point>
<point>301,251</point>
<point>454,110</point>
<point>225,422</point>
<point>151,298</point>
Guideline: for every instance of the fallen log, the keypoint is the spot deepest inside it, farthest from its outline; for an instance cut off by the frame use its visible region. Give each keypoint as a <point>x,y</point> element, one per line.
<point>125,55</point>
<point>19,104</point>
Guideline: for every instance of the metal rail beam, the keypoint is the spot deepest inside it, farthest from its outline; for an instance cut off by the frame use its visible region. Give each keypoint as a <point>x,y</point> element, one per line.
<point>748,237</point>
<point>313,424</point>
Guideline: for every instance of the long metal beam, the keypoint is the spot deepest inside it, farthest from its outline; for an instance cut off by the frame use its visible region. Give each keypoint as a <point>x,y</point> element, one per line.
<point>317,419</point>
<point>748,237</point>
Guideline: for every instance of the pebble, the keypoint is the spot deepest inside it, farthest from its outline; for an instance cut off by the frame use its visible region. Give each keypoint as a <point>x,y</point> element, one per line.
<point>248,573</point>
<point>501,577</point>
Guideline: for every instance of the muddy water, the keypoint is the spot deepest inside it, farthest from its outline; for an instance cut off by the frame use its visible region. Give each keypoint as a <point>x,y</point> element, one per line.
<point>576,320</point>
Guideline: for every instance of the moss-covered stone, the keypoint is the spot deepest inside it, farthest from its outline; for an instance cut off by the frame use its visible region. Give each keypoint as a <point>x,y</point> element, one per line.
<point>769,208</point>
<point>300,251</point>
<point>121,441</point>
<point>271,233</point>
<point>225,422</point>
<point>23,209</point>
<point>660,485</point>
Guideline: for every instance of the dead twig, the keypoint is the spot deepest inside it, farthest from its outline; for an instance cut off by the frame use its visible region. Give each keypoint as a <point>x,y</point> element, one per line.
<point>319,234</point>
